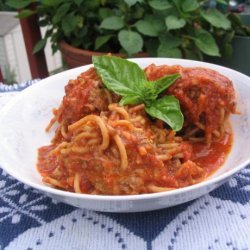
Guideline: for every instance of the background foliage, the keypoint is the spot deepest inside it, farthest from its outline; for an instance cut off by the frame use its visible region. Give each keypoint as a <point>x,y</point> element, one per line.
<point>163,28</point>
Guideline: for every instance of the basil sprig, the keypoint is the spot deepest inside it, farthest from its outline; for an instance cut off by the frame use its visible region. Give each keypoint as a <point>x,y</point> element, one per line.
<point>128,80</point>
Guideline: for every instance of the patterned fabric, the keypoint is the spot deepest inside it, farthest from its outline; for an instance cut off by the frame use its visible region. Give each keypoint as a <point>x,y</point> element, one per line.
<point>31,220</point>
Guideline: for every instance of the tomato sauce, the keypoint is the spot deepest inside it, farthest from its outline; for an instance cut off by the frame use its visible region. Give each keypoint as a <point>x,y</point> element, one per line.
<point>212,157</point>
<point>156,159</point>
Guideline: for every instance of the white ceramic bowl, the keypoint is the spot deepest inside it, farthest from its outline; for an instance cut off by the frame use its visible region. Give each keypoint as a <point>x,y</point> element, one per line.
<point>22,123</point>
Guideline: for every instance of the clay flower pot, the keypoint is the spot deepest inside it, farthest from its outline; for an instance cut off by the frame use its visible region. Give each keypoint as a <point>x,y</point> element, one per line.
<point>75,57</point>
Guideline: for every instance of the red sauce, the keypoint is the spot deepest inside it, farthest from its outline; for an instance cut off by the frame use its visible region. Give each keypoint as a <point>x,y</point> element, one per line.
<point>149,168</point>
<point>211,158</point>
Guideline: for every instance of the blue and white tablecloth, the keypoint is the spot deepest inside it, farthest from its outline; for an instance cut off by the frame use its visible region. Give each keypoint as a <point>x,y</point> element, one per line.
<point>30,220</point>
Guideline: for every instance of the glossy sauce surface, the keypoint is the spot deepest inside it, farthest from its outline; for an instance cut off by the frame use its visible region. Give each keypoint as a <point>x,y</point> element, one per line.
<point>211,158</point>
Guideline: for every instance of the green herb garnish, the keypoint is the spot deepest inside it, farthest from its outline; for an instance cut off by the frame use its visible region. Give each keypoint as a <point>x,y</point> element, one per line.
<point>128,80</point>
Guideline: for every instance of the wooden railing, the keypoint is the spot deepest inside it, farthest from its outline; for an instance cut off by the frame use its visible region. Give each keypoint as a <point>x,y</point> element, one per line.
<point>32,34</point>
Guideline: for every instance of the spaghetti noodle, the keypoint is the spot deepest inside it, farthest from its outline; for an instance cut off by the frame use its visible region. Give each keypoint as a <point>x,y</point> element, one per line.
<point>101,147</point>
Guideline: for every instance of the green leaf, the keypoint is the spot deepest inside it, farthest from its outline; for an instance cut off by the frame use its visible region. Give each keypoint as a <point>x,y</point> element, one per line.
<point>151,47</point>
<point>216,18</point>
<point>227,51</point>
<point>78,2</point>
<point>25,13</point>
<point>42,22</point>
<point>146,28</point>
<point>51,3</point>
<point>229,37</point>
<point>170,41</point>
<point>80,22</point>
<point>39,45</point>
<point>101,40</point>
<point>173,22</point>
<point>164,82</point>
<point>105,12</point>
<point>139,12</point>
<point>168,110</point>
<point>160,4</point>
<point>225,2</point>
<point>157,23</point>
<point>132,2</point>
<point>206,43</point>
<point>112,23</point>
<point>17,4</point>
<point>127,79</point>
<point>131,99</point>
<point>169,46</point>
<point>178,4</point>
<point>190,5</point>
<point>61,12</point>
<point>191,54</point>
<point>131,41</point>
<point>69,23</point>
<point>165,51</point>
<point>119,75</point>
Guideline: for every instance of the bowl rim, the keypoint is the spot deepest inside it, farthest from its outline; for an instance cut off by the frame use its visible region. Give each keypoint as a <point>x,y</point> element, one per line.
<point>138,197</point>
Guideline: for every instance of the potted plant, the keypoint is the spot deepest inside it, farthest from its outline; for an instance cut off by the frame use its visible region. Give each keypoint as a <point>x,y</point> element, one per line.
<point>240,57</point>
<point>163,28</point>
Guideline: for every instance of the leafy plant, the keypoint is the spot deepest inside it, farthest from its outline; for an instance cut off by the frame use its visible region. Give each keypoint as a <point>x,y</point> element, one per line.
<point>9,75</point>
<point>239,27</point>
<point>4,7</point>
<point>163,28</point>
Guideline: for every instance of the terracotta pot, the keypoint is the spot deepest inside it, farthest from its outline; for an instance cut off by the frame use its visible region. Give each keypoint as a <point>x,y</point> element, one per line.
<point>75,57</point>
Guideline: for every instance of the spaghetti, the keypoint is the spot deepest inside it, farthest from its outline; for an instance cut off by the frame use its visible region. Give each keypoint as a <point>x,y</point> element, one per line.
<point>101,147</point>
<point>207,98</point>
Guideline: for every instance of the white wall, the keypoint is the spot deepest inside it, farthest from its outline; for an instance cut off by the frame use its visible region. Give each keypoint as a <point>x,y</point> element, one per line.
<point>13,53</point>
<point>3,56</point>
<point>16,54</point>
<point>53,61</point>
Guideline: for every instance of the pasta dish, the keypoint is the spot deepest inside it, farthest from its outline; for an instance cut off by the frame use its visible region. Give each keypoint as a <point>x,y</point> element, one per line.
<point>104,147</point>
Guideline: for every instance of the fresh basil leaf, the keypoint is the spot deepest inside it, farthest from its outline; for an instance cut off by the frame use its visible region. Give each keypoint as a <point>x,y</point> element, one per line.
<point>168,110</point>
<point>131,99</point>
<point>164,82</point>
<point>119,75</point>
<point>148,92</point>
<point>127,79</point>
